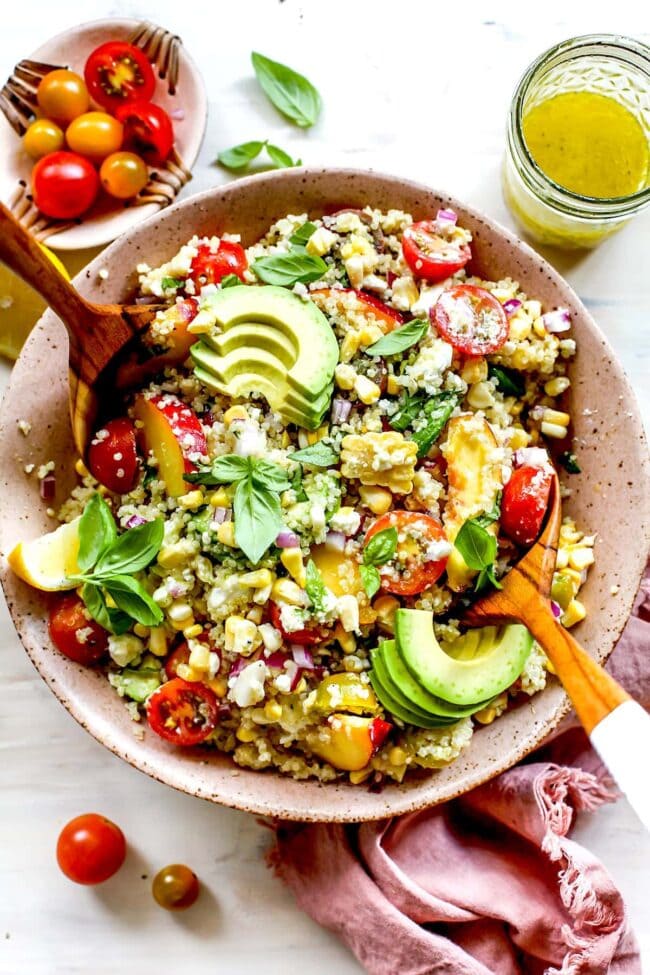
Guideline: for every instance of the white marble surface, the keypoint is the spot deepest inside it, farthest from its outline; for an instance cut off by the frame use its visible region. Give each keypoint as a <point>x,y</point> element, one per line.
<point>415,88</point>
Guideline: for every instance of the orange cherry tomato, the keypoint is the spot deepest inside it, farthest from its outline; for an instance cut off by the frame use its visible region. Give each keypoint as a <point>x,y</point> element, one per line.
<point>414,571</point>
<point>113,455</point>
<point>123,175</point>
<point>182,712</point>
<point>43,136</point>
<point>90,849</point>
<point>74,633</point>
<point>175,887</point>
<point>62,95</point>
<point>64,185</point>
<point>94,135</point>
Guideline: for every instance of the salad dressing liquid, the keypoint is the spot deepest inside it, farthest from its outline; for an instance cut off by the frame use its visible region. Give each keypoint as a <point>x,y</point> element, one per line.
<point>588,143</point>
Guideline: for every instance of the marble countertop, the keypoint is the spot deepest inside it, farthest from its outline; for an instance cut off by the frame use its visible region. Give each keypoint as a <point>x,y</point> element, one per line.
<point>412,88</point>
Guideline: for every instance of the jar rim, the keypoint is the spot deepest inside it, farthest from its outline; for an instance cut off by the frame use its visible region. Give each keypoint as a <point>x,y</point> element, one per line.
<point>539,181</point>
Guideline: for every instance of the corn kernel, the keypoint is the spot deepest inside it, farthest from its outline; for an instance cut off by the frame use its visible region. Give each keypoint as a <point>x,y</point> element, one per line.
<point>356,244</point>
<point>258,579</point>
<point>271,637</point>
<point>191,632</point>
<point>519,438</point>
<point>289,592</point>
<point>519,327</point>
<point>226,534</point>
<point>158,641</point>
<point>81,468</point>
<point>171,556</point>
<point>356,778</point>
<point>480,396</point>
<point>557,386</point>
<point>185,672</point>
<point>553,430</point>
<point>285,439</point>
<point>392,386</point>
<point>539,328</point>
<point>220,498</point>
<point>301,686</point>
<point>475,370</point>
<point>178,612</point>
<point>556,416</point>
<point>241,636</point>
<point>385,608</point>
<point>574,614</point>
<point>347,641</point>
<point>246,734</point>
<point>200,656</point>
<point>235,413</point>
<point>293,562</point>
<point>562,559</point>
<point>191,500</point>
<point>273,710</point>
<point>219,685</point>
<point>378,499</point>
<point>256,614</point>
<point>397,755</point>
<point>140,630</point>
<point>581,558</point>
<point>370,334</point>
<point>182,624</point>
<point>349,347</point>
<point>320,242</point>
<point>486,715</point>
<point>367,391</point>
<point>405,292</point>
<point>262,596</point>
<point>345,376</point>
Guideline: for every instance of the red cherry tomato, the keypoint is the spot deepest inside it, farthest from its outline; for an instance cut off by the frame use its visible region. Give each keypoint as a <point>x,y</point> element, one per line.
<point>181,655</point>
<point>64,185</point>
<point>117,73</point>
<point>113,455</point>
<point>90,849</point>
<point>308,637</point>
<point>209,267</point>
<point>182,712</point>
<point>74,633</point>
<point>524,503</point>
<point>379,731</point>
<point>147,131</point>
<point>470,319</point>
<point>417,572</point>
<point>429,254</point>
<point>387,318</point>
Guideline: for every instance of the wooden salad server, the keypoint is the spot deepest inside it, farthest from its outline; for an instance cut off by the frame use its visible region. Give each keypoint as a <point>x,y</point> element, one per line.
<point>97,333</point>
<point>618,727</point>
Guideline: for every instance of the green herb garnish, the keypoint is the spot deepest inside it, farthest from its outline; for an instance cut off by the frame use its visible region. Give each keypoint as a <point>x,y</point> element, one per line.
<point>380,549</point>
<point>478,548</point>
<point>230,281</point>
<point>400,339</point>
<point>280,158</point>
<point>315,587</point>
<point>168,283</point>
<point>288,269</point>
<point>290,92</point>
<point>509,381</point>
<point>318,455</point>
<point>239,157</point>
<point>569,462</point>
<point>426,417</point>
<point>300,236</point>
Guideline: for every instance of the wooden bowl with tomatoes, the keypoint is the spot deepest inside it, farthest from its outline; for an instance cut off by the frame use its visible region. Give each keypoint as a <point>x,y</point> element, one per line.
<point>609,497</point>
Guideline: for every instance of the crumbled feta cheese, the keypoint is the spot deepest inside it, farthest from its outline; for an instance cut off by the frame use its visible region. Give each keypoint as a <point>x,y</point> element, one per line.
<point>124,649</point>
<point>345,520</point>
<point>437,549</point>
<point>247,688</point>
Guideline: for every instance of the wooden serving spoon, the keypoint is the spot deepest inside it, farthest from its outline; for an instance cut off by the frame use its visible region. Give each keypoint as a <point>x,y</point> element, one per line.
<point>618,727</point>
<point>97,333</point>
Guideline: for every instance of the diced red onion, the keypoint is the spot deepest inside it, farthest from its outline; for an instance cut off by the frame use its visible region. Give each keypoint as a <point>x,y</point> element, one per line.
<point>135,520</point>
<point>147,300</point>
<point>175,589</point>
<point>557,609</point>
<point>557,321</point>
<point>296,679</point>
<point>287,539</point>
<point>178,114</point>
<point>530,457</point>
<point>219,516</point>
<point>302,656</point>
<point>225,711</point>
<point>511,306</point>
<point>48,487</point>
<point>207,418</point>
<point>239,665</point>
<point>276,660</point>
<point>446,217</point>
<point>340,409</point>
<point>335,541</point>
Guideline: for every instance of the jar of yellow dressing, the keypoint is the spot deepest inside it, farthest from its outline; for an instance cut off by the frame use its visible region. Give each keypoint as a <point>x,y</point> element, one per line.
<point>577,164</point>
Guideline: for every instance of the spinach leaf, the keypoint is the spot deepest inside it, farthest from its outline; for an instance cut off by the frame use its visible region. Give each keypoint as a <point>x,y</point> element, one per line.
<point>289,91</point>
<point>285,270</point>
<point>509,381</point>
<point>381,547</point>
<point>97,531</point>
<point>318,455</point>
<point>238,157</point>
<point>400,339</point>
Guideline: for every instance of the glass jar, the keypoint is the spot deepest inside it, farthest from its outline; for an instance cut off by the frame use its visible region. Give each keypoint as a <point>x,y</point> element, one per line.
<point>617,67</point>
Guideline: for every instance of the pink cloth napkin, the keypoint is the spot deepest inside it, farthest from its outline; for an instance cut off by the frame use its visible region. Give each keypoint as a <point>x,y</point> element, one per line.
<point>489,884</point>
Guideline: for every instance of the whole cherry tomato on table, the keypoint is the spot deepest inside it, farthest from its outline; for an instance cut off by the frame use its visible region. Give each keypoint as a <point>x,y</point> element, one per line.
<point>209,267</point>
<point>471,319</point>
<point>148,131</point>
<point>90,849</point>
<point>74,633</point>
<point>62,96</point>
<point>419,572</point>
<point>94,135</point>
<point>524,503</point>
<point>123,175</point>
<point>175,887</point>
<point>183,712</point>
<point>429,254</point>
<point>117,73</point>
<point>64,185</point>
<point>113,455</point>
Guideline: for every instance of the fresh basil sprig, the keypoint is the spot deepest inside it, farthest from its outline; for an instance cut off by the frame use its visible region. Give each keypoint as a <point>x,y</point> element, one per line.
<point>379,550</point>
<point>288,269</point>
<point>315,587</point>
<point>426,417</point>
<point>400,339</point>
<point>318,455</point>
<point>108,563</point>
<point>290,92</point>
<point>489,517</point>
<point>509,381</point>
<point>478,548</point>
<point>238,157</point>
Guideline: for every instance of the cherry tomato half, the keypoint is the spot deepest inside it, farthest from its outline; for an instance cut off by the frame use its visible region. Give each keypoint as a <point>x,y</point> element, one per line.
<point>64,185</point>
<point>308,637</point>
<point>429,254</point>
<point>43,136</point>
<point>148,131</point>
<point>74,633</point>
<point>379,732</point>
<point>90,849</point>
<point>414,571</point>
<point>94,135</point>
<point>209,267</point>
<point>180,655</point>
<point>113,455</point>
<point>123,175</point>
<point>524,503</point>
<point>470,319</point>
<point>175,887</point>
<point>62,95</point>
<point>182,712</point>
<point>117,73</point>
<point>366,304</point>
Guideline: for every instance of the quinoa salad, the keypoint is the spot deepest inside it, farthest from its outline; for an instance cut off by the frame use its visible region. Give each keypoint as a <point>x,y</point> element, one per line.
<point>339,438</point>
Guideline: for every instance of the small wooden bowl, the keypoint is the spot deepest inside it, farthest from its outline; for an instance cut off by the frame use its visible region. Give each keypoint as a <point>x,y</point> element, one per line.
<point>611,496</point>
<point>179,90</point>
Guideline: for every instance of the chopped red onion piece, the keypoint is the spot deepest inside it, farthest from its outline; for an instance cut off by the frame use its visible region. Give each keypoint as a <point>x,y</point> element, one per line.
<point>557,609</point>
<point>225,712</point>
<point>557,321</point>
<point>340,409</point>
<point>302,656</point>
<point>511,306</point>
<point>296,678</point>
<point>135,520</point>
<point>531,457</point>
<point>147,300</point>
<point>239,665</point>
<point>335,541</point>
<point>178,114</point>
<point>219,516</point>
<point>446,217</point>
<point>48,487</point>
<point>276,660</point>
<point>175,589</point>
<point>287,539</point>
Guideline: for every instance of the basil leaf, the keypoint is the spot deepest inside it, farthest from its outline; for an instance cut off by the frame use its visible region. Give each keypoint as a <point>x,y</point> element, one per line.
<point>132,598</point>
<point>150,474</point>
<point>285,270</point>
<point>168,283</point>
<point>270,476</point>
<point>487,577</point>
<point>381,547</point>
<point>238,157</point>
<point>227,469</point>
<point>437,410</point>
<point>318,455</point>
<point>509,381</point>
<point>477,545</point>
<point>257,519</point>
<point>570,463</point>
<point>489,517</point>
<point>113,620</point>
<point>371,579</point>
<point>302,234</point>
<point>410,409</point>
<point>230,281</point>
<point>132,551</point>
<point>289,91</point>
<point>280,158</point>
<point>97,531</point>
<point>400,339</point>
<point>315,587</point>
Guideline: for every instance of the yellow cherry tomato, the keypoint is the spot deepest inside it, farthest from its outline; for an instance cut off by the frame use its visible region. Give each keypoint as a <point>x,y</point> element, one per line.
<point>62,95</point>
<point>123,175</point>
<point>41,137</point>
<point>94,135</point>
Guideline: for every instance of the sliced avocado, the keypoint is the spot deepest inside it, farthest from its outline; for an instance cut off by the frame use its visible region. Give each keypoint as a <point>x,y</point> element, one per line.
<point>499,656</point>
<point>386,694</point>
<point>415,693</point>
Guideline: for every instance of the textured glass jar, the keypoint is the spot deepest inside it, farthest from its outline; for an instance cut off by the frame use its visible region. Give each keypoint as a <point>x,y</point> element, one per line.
<point>617,67</point>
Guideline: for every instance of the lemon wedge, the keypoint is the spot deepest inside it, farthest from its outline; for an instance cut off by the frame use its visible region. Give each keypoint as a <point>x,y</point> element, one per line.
<point>20,307</point>
<point>48,561</point>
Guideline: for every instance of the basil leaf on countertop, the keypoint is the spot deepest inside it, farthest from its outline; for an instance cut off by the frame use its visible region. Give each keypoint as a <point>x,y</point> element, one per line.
<point>509,381</point>
<point>400,339</point>
<point>238,157</point>
<point>280,158</point>
<point>288,269</point>
<point>97,532</point>
<point>318,455</point>
<point>291,93</point>
<point>381,547</point>
<point>371,579</point>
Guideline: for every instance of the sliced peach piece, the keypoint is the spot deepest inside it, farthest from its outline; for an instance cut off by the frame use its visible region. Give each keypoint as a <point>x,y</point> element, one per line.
<point>172,432</point>
<point>340,573</point>
<point>178,340</point>
<point>345,741</point>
